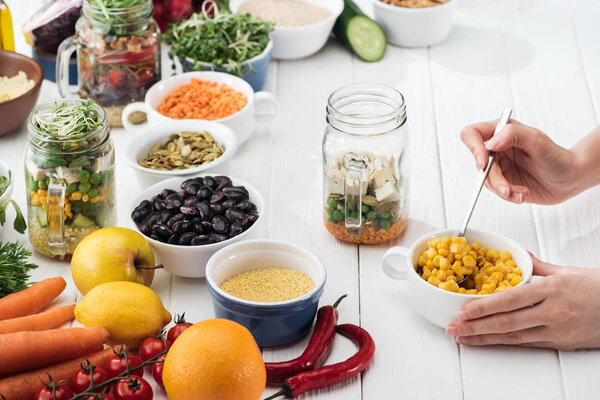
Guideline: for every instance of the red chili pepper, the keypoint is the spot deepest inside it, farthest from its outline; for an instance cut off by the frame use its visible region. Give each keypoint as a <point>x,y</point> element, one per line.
<point>317,350</point>
<point>334,373</point>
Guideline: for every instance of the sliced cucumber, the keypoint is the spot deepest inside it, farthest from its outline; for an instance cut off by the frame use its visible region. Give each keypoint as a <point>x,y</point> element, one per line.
<point>363,35</point>
<point>81,221</point>
<point>42,217</point>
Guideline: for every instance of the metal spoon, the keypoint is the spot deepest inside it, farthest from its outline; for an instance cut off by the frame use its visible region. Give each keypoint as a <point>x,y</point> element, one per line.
<point>504,118</point>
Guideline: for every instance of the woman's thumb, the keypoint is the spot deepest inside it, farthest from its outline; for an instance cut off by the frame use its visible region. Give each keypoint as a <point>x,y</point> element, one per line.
<point>512,135</point>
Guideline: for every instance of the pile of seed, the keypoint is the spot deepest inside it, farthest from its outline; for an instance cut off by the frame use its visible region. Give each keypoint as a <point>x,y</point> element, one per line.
<point>182,151</point>
<point>268,285</point>
<point>285,13</point>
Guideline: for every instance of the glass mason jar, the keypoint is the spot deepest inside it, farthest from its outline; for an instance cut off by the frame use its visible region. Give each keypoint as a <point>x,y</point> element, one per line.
<point>118,56</point>
<point>365,164</point>
<point>70,185</point>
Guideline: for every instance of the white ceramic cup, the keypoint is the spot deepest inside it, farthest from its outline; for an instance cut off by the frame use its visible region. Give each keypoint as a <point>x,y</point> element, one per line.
<point>261,106</point>
<point>437,305</point>
<point>139,145</point>
<point>190,261</point>
<point>414,27</point>
<point>295,42</point>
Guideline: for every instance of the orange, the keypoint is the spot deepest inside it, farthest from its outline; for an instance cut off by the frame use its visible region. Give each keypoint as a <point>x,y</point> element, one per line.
<point>216,359</point>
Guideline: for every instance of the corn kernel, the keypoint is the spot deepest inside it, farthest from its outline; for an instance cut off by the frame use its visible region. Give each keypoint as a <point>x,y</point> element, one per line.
<point>510,263</point>
<point>505,256</point>
<point>462,290</point>
<point>75,196</point>
<point>516,280</point>
<point>422,261</point>
<point>468,261</point>
<point>441,275</point>
<point>443,252</point>
<point>492,255</point>
<point>452,286</point>
<point>85,197</point>
<point>436,260</point>
<point>444,263</point>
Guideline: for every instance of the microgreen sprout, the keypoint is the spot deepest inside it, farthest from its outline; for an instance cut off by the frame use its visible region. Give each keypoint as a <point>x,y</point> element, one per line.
<point>65,119</point>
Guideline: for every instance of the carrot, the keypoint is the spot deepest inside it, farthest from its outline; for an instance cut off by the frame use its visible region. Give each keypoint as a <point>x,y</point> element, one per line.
<point>50,319</point>
<point>24,386</point>
<point>22,351</point>
<point>202,100</point>
<point>31,300</point>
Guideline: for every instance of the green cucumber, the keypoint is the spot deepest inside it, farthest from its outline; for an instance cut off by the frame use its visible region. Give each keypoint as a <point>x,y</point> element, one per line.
<point>80,221</point>
<point>42,217</point>
<point>360,33</point>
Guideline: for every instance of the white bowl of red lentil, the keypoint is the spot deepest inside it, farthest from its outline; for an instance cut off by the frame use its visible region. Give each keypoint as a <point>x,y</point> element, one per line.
<point>271,323</point>
<point>305,39</point>
<point>440,306</point>
<point>414,27</point>
<point>260,106</point>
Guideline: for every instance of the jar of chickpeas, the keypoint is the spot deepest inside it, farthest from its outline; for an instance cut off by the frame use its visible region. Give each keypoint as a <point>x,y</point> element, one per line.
<point>452,264</point>
<point>365,165</point>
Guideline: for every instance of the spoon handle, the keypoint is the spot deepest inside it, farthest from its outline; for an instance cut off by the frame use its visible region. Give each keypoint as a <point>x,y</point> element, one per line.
<point>504,118</point>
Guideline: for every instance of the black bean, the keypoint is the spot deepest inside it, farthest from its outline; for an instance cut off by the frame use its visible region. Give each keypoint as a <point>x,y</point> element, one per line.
<point>218,209</point>
<point>199,180</point>
<point>145,205</point>
<point>200,239</point>
<point>191,188</point>
<point>188,210</point>
<point>210,182</point>
<point>237,216</point>
<point>165,192</point>
<point>157,203</point>
<point>220,224</point>
<point>207,226</point>
<point>229,204</point>
<point>206,211</point>
<point>162,231</point>
<point>186,238</point>
<point>216,238</point>
<point>198,227</point>
<point>149,222</point>
<point>245,206</point>
<point>139,214</point>
<point>191,201</point>
<point>222,181</point>
<point>187,182</point>
<point>235,229</point>
<point>175,218</point>
<point>217,197</point>
<point>173,201</point>
<point>173,239</point>
<point>204,193</point>
<point>183,226</point>
<point>252,219</point>
<point>166,215</point>
<point>235,193</point>
<point>156,237</point>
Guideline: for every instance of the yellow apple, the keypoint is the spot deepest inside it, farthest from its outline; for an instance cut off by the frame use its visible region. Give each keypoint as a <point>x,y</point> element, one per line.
<point>112,254</point>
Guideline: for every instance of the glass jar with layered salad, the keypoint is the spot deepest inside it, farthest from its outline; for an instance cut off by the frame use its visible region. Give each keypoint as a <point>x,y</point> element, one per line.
<point>69,174</point>
<point>365,165</point>
<point>118,54</point>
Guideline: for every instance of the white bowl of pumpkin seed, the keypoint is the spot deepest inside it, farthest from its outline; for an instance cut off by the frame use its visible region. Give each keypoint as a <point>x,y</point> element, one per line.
<point>179,148</point>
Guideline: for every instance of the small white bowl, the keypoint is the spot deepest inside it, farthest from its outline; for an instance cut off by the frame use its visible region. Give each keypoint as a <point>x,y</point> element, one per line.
<point>139,145</point>
<point>437,305</point>
<point>295,42</point>
<point>190,261</point>
<point>414,27</point>
<point>261,106</point>
<point>4,170</point>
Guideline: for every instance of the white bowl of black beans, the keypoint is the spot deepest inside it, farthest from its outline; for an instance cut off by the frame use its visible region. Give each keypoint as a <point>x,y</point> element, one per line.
<point>186,220</point>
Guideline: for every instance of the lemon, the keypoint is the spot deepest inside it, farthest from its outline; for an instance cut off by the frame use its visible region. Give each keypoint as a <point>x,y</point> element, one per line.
<point>216,359</point>
<point>129,311</point>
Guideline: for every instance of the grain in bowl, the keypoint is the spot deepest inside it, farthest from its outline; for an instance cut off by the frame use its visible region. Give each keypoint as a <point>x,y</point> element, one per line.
<point>285,13</point>
<point>14,86</point>
<point>268,285</point>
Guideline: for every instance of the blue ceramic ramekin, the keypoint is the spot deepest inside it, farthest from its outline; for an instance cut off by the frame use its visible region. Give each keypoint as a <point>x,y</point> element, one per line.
<point>256,75</point>
<point>271,324</point>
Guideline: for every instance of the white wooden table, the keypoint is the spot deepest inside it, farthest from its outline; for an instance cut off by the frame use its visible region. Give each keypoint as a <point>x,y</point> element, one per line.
<point>542,57</point>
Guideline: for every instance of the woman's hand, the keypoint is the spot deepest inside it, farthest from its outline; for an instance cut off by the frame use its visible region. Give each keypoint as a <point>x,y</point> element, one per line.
<point>529,166</point>
<point>561,310</point>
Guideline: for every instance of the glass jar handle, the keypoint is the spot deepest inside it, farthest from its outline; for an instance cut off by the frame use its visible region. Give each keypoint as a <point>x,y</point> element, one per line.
<point>65,50</point>
<point>353,197</point>
<point>55,209</point>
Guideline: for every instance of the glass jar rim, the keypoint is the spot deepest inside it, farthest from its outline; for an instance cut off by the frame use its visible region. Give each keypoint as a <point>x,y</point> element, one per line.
<point>36,134</point>
<point>144,10</point>
<point>367,92</point>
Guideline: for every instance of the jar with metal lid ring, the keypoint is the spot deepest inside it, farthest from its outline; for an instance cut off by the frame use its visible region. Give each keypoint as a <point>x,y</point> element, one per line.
<point>69,182</point>
<point>118,56</point>
<point>365,164</point>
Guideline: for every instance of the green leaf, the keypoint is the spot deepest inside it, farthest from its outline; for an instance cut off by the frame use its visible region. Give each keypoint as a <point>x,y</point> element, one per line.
<point>14,268</point>
<point>20,225</point>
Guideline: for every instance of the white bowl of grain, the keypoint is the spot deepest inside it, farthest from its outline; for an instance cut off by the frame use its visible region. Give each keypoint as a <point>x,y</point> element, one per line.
<point>302,27</point>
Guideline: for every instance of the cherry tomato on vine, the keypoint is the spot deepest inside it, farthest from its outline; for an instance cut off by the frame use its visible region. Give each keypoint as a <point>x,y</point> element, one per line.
<point>99,397</point>
<point>143,77</point>
<point>118,77</point>
<point>151,347</point>
<point>80,382</point>
<point>157,370</point>
<point>174,332</point>
<point>61,392</point>
<point>132,389</point>
<point>117,365</point>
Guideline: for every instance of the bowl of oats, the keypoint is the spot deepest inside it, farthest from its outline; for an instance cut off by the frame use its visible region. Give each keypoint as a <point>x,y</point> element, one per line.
<point>179,148</point>
<point>20,82</point>
<point>414,23</point>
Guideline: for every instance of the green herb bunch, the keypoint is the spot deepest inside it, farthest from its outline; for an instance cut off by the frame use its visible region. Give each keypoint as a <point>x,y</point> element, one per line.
<point>20,225</point>
<point>14,268</point>
<point>223,39</point>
